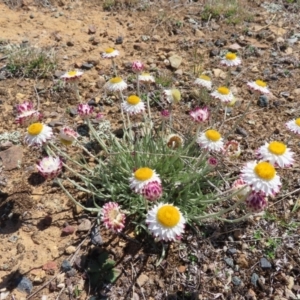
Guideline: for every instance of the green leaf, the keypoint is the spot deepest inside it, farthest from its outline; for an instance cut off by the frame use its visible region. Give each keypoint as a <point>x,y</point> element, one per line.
<point>112,275</point>
<point>109,264</point>
<point>102,258</point>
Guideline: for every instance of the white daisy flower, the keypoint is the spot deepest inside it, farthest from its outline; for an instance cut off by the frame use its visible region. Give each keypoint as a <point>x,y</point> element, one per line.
<point>67,136</point>
<point>203,81</point>
<point>133,105</point>
<point>38,134</point>
<point>231,60</point>
<point>294,125</point>
<point>211,140</point>
<point>277,154</point>
<point>165,222</point>
<point>259,86</point>
<point>50,167</point>
<point>110,53</point>
<point>146,78</point>
<point>115,84</point>
<point>261,177</point>
<point>141,177</point>
<point>172,96</point>
<point>72,75</point>
<point>174,141</point>
<point>224,94</point>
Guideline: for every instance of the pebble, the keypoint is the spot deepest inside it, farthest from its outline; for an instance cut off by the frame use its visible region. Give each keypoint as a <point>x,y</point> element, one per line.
<point>96,238</point>
<point>85,225</point>
<point>213,52</point>
<point>175,61</point>
<point>92,102</point>
<point>229,262</point>
<point>241,131</point>
<point>24,285</point>
<point>87,66</point>
<point>254,279</point>
<point>68,230</point>
<point>66,266</point>
<point>73,112</point>
<point>231,251</point>
<point>13,238</point>
<point>236,280</point>
<point>263,101</point>
<point>12,157</point>
<point>142,279</point>
<point>265,264</point>
<point>70,250</point>
<point>71,273</point>
<point>119,40</point>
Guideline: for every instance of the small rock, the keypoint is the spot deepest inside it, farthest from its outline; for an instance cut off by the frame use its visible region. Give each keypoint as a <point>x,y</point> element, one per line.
<point>85,225</point>
<point>92,29</point>
<point>92,102</point>
<point>265,264</point>
<point>263,101</point>
<point>13,238</point>
<point>12,157</point>
<point>71,273</point>
<point>119,40</point>
<point>254,279</point>
<point>220,43</point>
<point>66,266</point>
<point>198,33</point>
<point>68,230</point>
<point>285,94</point>
<point>231,251</point>
<point>178,72</point>
<point>73,112</point>
<point>87,66</point>
<point>5,145</point>
<point>70,43</point>
<point>24,285</point>
<point>219,73</point>
<point>236,280</point>
<point>50,265</point>
<point>229,262</point>
<point>96,238</point>
<point>142,279</point>
<point>242,261</point>
<point>213,52</point>
<point>241,131</point>
<point>70,250</point>
<point>175,61</point>
<point>156,38</point>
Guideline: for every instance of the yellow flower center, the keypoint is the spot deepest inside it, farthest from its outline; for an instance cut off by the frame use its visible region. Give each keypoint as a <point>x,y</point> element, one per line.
<point>174,142</point>
<point>116,80</point>
<point>35,128</point>
<point>223,90</point>
<point>230,56</point>
<point>109,50</point>
<point>133,100</point>
<point>143,174</point>
<point>72,73</point>
<point>213,135</point>
<point>265,171</point>
<point>297,121</point>
<point>176,95</point>
<point>168,216</point>
<point>145,74</point>
<point>260,83</point>
<point>277,148</point>
<point>204,77</point>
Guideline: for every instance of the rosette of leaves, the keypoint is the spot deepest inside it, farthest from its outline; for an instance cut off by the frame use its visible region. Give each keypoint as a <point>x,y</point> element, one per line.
<point>101,268</point>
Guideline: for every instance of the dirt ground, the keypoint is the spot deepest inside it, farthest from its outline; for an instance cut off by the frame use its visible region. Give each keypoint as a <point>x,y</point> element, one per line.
<point>256,259</point>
